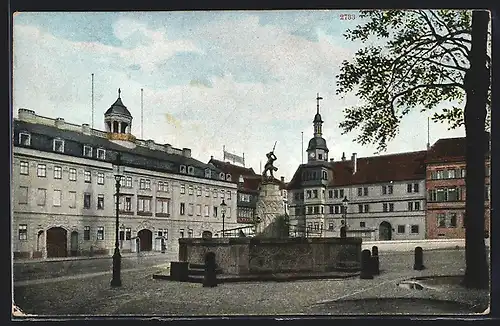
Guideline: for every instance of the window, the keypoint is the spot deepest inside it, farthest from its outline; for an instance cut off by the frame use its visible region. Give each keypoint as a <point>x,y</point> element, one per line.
<point>125,204</point>
<point>336,193</point>
<point>190,190</point>
<point>181,233</point>
<point>462,173</point>
<point>190,233</point>
<point>207,210</point>
<point>309,193</point>
<point>23,195</point>
<point>198,191</point>
<point>401,229</point>
<point>453,220</point>
<point>316,209</point>
<point>100,178</point>
<point>41,170</point>
<point>228,195</point>
<point>58,145</point>
<point>214,193</point>
<point>183,188</point>
<point>87,151</point>
<point>101,153</point>
<point>190,170</point>
<point>415,187</point>
<point>207,192</point>
<point>86,200</point>
<point>57,172</point>
<point>331,209</point>
<point>228,177</point>
<point>439,174</point>
<point>410,206</point>
<point>360,191</point>
<point>198,210</point>
<point>190,209</point>
<point>452,174</point>
<point>72,174</point>
<point>128,233</point>
<point>391,207</point>
<point>320,156</point>
<point>182,208</point>
<point>100,201</point>
<point>414,229</point>
<point>384,207</point>
<point>86,233</point>
<point>331,226</point>
<point>366,208</point>
<point>24,168</point>
<point>129,182</point>
<point>222,193</point>
<point>341,193</point>
<point>56,199</point>
<point>23,232</point>
<point>41,196</point>
<point>416,205</point>
<point>72,199</point>
<point>387,190</point>
<point>182,169</point>
<point>87,176</point>
<point>384,190</point>
<point>409,187</point>
<point>337,209</point>
<point>145,184</point>
<point>144,205</point>
<point>315,193</point>
<point>365,191</point>
<point>100,233</point>
<point>441,220</point>
<point>486,192</point>
<point>360,208</point>
<point>24,139</point>
<point>316,226</point>
<point>309,226</point>
<point>330,194</point>
<point>162,186</point>
<point>162,206</point>
<point>362,224</point>
<point>215,211</point>
<point>208,173</point>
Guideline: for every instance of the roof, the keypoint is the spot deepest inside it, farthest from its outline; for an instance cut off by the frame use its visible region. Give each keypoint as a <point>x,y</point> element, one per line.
<point>234,170</point>
<point>317,118</point>
<point>374,169</point>
<point>448,149</point>
<point>142,157</point>
<point>118,108</point>
<point>317,142</point>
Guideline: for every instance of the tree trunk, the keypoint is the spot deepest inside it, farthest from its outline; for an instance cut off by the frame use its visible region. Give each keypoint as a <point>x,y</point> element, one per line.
<point>477,81</point>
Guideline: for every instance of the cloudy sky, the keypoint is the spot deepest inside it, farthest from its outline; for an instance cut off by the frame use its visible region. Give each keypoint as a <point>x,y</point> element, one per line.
<point>243,79</point>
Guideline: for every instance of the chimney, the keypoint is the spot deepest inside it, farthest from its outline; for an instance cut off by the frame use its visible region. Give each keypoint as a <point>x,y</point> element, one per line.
<point>150,143</point>
<point>332,160</point>
<point>26,114</point>
<point>59,122</point>
<point>282,179</point>
<point>343,156</point>
<point>85,128</point>
<point>168,148</point>
<point>186,152</point>
<point>354,160</point>
<point>241,180</point>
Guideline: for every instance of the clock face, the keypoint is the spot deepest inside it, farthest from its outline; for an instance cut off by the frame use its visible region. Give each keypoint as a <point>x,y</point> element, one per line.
<point>312,155</point>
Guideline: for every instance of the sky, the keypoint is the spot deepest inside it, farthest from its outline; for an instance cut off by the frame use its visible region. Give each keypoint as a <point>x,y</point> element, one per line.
<point>239,79</point>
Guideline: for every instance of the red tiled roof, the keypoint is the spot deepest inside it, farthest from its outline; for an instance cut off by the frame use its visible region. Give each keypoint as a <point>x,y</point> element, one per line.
<point>374,169</point>
<point>448,149</point>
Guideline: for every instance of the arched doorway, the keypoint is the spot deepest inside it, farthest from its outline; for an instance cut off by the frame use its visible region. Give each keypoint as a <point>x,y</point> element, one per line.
<point>57,242</point>
<point>385,231</point>
<point>74,243</point>
<point>146,239</point>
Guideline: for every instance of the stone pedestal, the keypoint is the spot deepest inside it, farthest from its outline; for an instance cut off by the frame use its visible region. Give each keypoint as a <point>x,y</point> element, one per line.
<point>269,207</point>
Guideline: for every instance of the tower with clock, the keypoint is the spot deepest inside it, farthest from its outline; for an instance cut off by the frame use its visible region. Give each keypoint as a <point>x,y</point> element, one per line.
<point>317,151</point>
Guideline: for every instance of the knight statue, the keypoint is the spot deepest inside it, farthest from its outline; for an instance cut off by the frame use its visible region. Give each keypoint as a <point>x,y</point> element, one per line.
<point>269,164</point>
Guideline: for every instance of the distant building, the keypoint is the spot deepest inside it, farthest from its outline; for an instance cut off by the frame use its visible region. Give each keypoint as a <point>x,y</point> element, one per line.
<point>445,185</point>
<point>248,183</point>
<point>385,194</point>
<point>64,189</point>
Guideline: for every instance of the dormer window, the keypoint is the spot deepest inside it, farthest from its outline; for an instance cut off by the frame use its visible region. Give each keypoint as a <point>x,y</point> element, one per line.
<point>24,139</point>
<point>208,173</point>
<point>228,177</point>
<point>190,170</point>
<point>101,153</point>
<point>221,176</point>
<point>183,169</point>
<point>87,151</point>
<point>58,145</point>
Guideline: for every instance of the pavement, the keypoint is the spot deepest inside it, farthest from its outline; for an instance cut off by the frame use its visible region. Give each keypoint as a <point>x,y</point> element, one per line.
<point>140,294</point>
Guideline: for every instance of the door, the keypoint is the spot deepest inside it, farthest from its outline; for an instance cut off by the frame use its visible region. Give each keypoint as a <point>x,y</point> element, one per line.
<point>385,231</point>
<point>146,239</point>
<point>57,242</point>
<point>74,243</point>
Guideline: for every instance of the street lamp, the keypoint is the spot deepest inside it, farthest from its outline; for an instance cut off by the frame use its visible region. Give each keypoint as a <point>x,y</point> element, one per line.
<point>117,259</point>
<point>223,211</point>
<point>343,229</point>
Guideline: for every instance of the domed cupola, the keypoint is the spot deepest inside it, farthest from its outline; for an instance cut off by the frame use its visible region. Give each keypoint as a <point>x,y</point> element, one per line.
<point>317,149</point>
<point>118,122</point>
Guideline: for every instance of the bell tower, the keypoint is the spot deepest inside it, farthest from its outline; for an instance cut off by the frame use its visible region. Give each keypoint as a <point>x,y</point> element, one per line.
<point>317,149</point>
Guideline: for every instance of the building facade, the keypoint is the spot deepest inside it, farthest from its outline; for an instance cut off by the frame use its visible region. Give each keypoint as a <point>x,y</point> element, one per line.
<point>446,191</point>
<point>64,189</point>
<point>385,195</point>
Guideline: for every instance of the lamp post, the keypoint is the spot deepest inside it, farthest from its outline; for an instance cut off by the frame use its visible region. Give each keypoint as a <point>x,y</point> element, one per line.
<point>223,211</point>
<point>343,229</point>
<point>117,259</point>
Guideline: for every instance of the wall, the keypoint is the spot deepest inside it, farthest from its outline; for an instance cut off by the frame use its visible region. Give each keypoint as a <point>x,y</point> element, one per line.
<point>253,255</point>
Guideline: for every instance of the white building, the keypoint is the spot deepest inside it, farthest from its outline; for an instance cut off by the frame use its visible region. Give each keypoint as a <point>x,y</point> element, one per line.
<point>385,194</point>
<point>64,189</point>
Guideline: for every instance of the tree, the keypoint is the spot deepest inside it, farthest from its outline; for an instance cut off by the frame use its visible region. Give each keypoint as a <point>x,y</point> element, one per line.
<point>426,57</point>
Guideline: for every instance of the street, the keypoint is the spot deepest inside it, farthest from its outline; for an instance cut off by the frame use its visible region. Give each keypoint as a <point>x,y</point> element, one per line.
<point>140,294</point>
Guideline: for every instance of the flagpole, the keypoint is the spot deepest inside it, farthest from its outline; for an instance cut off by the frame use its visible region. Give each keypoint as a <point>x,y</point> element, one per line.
<point>302,147</point>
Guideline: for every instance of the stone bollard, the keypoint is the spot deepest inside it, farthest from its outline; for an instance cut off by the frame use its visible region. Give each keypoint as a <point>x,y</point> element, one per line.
<point>210,276</point>
<point>419,259</point>
<point>375,261</point>
<point>366,270</point>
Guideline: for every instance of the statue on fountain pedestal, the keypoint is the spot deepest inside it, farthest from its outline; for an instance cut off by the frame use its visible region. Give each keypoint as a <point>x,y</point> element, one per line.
<point>269,165</point>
